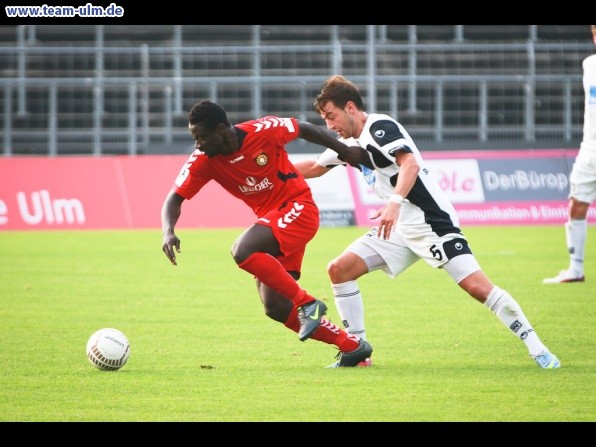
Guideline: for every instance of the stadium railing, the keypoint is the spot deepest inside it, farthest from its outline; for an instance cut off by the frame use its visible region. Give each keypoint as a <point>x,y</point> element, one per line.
<point>109,92</point>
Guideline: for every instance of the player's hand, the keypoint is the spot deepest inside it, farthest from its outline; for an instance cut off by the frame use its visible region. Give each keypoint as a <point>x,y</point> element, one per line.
<point>388,214</point>
<point>356,156</point>
<point>171,245</point>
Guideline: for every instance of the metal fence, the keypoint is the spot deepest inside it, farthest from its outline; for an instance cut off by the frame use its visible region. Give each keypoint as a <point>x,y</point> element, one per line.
<point>99,90</point>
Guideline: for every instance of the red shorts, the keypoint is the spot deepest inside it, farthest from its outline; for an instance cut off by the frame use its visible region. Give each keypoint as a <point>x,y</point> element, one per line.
<point>293,225</point>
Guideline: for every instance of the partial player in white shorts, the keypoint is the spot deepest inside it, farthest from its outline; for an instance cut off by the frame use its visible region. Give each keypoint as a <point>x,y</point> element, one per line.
<point>394,255</point>
<point>583,179</point>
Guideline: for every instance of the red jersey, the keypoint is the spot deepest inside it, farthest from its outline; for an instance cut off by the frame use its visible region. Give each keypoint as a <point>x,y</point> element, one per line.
<point>259,172</point>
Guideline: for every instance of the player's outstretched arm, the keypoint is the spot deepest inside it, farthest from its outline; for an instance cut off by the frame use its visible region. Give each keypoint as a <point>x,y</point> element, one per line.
<point>310,168</point>
<point>352,155</point>
<point>319,135</point>
<point>170,213</point>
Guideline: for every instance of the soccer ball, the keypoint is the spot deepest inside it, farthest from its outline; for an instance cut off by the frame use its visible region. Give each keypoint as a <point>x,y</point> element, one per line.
<point>108,349</point>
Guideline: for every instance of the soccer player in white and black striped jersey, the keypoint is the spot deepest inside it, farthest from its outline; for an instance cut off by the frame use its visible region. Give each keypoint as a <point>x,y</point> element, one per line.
<point>417,222</point>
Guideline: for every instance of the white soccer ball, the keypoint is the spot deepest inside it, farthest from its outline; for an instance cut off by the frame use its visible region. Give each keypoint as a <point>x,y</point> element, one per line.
<point>108,349</point>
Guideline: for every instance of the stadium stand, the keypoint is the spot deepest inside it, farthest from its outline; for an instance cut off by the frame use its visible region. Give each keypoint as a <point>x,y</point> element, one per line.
<point>122,89</point>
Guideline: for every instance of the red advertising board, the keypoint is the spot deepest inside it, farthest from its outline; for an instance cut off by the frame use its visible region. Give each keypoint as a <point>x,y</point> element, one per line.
<point>525,187</point>
<point>104,193</point>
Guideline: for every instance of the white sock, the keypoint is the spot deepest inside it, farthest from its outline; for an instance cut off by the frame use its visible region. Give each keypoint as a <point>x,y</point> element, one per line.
<point>576,232</point>
<point>350,307</point>
<point>511,315</point>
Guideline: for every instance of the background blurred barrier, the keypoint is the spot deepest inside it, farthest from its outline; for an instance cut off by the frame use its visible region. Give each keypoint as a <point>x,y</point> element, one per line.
<point>126,90</point>
<point>487,187</point>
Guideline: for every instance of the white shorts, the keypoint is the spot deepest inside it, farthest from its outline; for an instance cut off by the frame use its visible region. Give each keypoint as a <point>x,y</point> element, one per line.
<point>450,252</point>
<point>583,179</point>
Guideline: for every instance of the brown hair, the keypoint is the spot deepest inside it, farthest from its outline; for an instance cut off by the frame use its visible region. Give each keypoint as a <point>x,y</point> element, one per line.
<point>339,91</point>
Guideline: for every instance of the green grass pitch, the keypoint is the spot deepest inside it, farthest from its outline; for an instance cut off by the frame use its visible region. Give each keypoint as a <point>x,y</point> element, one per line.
<point>203,350</point>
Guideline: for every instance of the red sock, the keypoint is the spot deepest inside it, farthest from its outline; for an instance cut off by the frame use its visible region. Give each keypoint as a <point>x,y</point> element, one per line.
<point>332,334</point>
<point>270,272</point>
<point>292,321</point>
<point>327,332</point>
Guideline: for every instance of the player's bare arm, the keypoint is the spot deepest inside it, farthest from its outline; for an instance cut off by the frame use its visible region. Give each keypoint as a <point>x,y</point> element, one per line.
<point>319,135</point>
<point>355,156</point>
<point>310,168</point>
<point>170,213</point>
<point>408,172</point>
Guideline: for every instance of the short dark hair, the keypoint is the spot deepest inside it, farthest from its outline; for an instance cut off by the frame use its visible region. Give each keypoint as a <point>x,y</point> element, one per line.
<point>339,91</point>
<point>208,114</point>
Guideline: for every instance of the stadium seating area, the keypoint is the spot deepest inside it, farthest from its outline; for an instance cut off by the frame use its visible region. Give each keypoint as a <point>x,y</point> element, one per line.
<point>121,89</point>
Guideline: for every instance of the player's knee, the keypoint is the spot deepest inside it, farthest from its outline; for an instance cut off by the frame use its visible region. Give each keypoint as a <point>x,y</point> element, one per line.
<point>478,291</point>
<point>336,272</point>
<point>578,210</point>
<point>239,253</point>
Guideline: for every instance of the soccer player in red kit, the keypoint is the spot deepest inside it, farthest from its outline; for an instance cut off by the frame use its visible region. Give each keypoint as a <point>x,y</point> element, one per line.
<point>250,161</point>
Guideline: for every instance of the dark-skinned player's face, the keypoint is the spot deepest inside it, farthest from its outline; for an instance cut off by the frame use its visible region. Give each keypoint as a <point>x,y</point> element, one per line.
<point>209,142</point>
